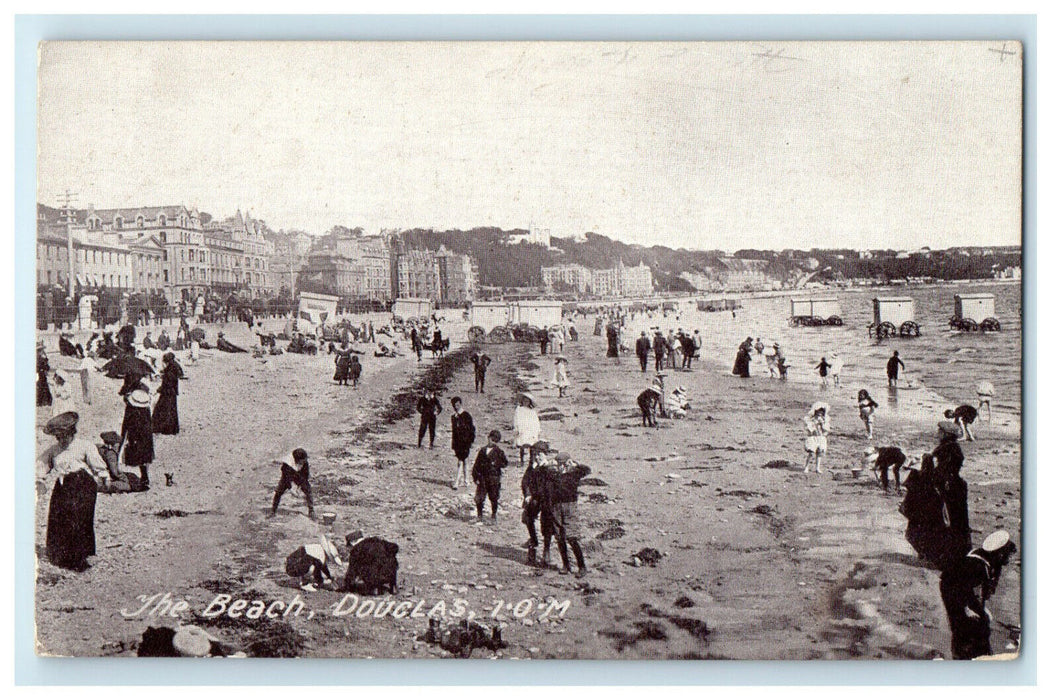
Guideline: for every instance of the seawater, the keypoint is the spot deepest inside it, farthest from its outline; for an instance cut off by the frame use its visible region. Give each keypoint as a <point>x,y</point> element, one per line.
<point>944,363</point>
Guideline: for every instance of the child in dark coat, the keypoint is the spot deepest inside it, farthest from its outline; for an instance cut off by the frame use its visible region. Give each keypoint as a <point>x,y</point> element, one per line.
<point>486,473</point>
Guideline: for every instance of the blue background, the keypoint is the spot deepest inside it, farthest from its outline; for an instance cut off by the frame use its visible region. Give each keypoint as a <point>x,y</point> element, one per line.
<point>29,30</point>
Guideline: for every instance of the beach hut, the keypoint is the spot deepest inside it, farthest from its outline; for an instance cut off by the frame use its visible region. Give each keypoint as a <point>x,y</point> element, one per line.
<point>822,311</point>
<point>412,307</point>
<point>974,312</point>
<point>486,316</point>
<point>316,308</point>
<point>893,316</point>
<point>540,313</point>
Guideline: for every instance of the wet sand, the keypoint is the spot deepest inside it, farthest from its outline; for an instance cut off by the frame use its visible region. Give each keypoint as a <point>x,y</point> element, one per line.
<point>759,560</point>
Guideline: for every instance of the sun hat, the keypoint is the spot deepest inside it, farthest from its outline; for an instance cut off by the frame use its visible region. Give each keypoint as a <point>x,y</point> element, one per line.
<point>529,397</point>
<point>820,406</point>
<point>869,450</point>
<point>562,457</point>
<point>191,641</point>
<point>62,423</point>
<point>139,398</point>
<point>996,541</point>
<point>110,437</point>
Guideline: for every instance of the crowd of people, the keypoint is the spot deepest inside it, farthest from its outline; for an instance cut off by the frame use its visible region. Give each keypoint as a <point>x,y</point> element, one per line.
<point>75,469</point>
<point>935,500</point>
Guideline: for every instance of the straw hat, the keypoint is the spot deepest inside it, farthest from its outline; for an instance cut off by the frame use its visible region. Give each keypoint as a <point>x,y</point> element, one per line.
<point>529,397</point>
<point>996,541</point>
<point>191,641</point>
<point>139,398</point>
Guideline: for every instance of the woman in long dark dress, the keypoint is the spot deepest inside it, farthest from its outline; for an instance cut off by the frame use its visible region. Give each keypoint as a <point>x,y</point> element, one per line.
<point>342,365</point>
<point>612,342</point>
<point>136,433</point>
<point>43,367</point>
<point>166,420</point>
<point>77,468</point>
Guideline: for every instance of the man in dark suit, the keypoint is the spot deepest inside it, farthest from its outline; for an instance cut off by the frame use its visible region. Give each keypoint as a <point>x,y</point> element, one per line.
<point>428,408</point>
<point>643,350</point>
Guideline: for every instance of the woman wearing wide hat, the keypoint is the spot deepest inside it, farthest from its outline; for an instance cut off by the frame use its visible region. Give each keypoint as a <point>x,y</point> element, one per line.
<point>165,419</point>
<point>136,433</point>
<point>77,468</point>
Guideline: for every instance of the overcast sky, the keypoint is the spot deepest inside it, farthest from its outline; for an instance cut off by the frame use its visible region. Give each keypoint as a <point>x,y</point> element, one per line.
<point>698,145</point>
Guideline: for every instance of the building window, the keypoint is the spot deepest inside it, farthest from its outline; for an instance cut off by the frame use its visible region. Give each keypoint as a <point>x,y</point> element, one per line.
<point>165,276</point>
<point>118,222</point>
<point>161,220</point>
<point>139,222</point>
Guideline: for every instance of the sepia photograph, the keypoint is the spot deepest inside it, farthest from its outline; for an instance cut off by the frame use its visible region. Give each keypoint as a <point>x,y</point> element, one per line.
<point>529,350</point>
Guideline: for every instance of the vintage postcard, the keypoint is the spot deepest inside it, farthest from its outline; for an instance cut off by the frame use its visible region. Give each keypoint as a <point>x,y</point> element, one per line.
<point>549,350</point>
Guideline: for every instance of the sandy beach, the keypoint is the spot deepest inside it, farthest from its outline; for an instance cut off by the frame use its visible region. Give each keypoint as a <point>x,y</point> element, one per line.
<point>759,561</point>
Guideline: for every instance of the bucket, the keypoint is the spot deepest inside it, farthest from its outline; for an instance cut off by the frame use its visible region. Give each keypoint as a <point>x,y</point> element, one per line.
<point>327,518</point>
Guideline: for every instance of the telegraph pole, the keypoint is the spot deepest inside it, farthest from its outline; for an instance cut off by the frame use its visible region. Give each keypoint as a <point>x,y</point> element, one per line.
<point>67,199</point>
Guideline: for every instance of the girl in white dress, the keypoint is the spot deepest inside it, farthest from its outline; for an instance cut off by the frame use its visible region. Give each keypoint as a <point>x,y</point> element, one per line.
<point>817,427</point>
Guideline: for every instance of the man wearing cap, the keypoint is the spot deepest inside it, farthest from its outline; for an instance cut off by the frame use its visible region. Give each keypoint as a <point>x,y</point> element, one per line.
<point>643,350</point>
<point>486,472</point>
<point>481,364</point>
<point>535,502</point>
<point>428,408</point>
<point>965,588</point>
<point>562,501</point>
<point>660,351</point>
